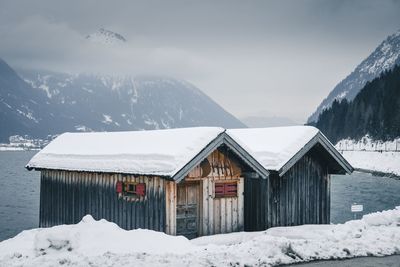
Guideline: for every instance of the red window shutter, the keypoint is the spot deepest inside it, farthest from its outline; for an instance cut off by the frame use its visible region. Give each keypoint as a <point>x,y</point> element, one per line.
<point>230,190</point>
<point>118,186</point>
<point>226,189</point>
<point>219,190</point>
<point>141,189</point>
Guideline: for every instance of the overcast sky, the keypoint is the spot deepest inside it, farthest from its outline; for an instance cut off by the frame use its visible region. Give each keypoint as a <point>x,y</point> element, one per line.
<point>268,58</point>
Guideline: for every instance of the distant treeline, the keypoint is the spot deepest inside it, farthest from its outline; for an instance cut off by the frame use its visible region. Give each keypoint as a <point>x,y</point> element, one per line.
<point>374,111</point>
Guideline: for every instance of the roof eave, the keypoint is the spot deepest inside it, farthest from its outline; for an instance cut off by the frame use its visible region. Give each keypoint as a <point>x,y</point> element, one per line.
<point>333,151</point>
<point>318,138</point>
<point>222,138</point>
<point>168,177</point>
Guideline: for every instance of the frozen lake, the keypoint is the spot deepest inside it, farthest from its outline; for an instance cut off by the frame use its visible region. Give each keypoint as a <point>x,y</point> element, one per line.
<point>19,194</point>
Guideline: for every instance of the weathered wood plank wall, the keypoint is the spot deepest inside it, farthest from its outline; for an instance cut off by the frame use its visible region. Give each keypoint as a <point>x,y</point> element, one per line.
<point>300,196</point>
<point>219,215</point>
<point>170,199</point>
<point>66,197</point>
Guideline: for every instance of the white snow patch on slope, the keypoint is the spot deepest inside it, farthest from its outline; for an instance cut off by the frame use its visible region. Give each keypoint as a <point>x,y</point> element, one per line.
<point>28,115</point>
<point>101,243</point>
<point>107,119</point>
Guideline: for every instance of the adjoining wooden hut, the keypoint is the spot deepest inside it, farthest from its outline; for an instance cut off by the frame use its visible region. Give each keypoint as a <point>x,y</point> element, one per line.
<point>190,181</point>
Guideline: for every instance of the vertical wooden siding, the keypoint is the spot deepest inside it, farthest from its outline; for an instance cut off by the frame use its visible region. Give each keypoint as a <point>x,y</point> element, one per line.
<point>66,197</point>
<point>219,215</point>
<point>170,201</point>
<point>300,196</point>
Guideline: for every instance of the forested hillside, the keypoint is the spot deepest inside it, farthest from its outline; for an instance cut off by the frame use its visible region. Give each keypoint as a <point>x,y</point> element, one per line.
<point>374,111</point>
<point>383,58</point>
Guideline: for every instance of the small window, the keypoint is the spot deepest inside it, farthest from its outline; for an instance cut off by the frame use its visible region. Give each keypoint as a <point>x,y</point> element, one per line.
<point>226,189</point>
<point>131,188</point>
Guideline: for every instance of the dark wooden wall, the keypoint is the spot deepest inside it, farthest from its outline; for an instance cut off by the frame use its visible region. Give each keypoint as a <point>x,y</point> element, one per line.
<point>300,196</point>
<point>65,197</point>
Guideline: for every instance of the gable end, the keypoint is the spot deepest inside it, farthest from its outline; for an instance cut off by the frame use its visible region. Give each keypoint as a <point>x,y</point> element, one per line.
<point>225,139</point>
<point>319,138</point>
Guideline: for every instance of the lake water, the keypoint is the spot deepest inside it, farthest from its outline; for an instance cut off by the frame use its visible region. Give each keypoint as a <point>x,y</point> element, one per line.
<point>19,194</point>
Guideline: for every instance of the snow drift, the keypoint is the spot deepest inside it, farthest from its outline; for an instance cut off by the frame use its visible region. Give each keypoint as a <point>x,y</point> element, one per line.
<point>384,162</point>
<point>101,243</point>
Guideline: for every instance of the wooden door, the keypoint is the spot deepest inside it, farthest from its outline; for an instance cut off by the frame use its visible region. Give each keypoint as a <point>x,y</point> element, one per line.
<point>187,210</point>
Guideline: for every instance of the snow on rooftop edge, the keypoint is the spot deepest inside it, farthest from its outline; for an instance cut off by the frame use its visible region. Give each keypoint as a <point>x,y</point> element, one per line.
<point>157,152</point>
<point>273,147</point>
<point>165,152</point>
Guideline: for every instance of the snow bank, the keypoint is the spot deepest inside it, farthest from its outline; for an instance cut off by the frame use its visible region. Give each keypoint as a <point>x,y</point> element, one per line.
<point>386,162</point>
<point>366,143</point>
<point>100,243</point>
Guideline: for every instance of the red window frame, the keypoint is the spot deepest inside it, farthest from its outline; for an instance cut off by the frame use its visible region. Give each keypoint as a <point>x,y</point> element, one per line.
<point>226,189</point>
<point>131,188</point>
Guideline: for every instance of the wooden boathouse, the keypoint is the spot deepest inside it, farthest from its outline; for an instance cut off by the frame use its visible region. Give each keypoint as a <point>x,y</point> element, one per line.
<point>190,181</point>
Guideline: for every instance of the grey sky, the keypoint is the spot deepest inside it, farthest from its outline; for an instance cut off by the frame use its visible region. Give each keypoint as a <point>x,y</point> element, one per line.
<point>271,58</point>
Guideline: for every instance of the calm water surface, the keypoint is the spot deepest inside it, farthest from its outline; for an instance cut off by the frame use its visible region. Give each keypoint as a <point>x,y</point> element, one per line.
<point>19,194</point>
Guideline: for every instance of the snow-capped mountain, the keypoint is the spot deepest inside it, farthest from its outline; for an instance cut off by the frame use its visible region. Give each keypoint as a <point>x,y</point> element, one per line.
<point>39,103</point>
<point>106,37</point>
<point>385,57</point>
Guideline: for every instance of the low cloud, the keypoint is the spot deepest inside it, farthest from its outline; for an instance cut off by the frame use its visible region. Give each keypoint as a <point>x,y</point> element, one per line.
<point>278,58</point>
<point>38,43</point>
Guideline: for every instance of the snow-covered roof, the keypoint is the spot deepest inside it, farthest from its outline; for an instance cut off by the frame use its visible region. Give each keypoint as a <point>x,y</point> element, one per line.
<point>157,152</point>
<point>273,147</point>
<point>174,152</point>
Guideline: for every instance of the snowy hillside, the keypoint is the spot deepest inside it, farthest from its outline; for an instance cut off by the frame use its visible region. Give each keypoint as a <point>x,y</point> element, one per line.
<point>39,103</point>
<point>385,57</point>
<point>101,243</point>
<point>371,155</point>
<point>106,37</point>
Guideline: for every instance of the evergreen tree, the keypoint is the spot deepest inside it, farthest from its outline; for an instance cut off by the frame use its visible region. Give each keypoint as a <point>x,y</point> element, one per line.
<point>374,111</point>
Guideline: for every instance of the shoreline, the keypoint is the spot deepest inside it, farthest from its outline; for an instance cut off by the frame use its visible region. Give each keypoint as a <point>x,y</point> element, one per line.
<point>17,149</point>
<point>385,163</point>
<point>378,173</point>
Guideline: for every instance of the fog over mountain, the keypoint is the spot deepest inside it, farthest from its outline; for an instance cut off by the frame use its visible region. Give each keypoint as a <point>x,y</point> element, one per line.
<point>261,121</point>
<point>39,103</point>
<point>280,56</point>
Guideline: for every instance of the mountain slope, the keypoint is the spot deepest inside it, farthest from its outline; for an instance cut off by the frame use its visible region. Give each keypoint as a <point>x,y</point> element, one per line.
<point>374,111</point>
<point>22,110</point>
<point>106,37</point>
<point>43,103</point>
<point>385,57</point>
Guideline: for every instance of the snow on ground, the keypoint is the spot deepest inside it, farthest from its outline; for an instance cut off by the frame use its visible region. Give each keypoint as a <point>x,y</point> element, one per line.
<point>9,148</point>
<point>386,162</point>
<point>101,243</point>
<point>366,143</point>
